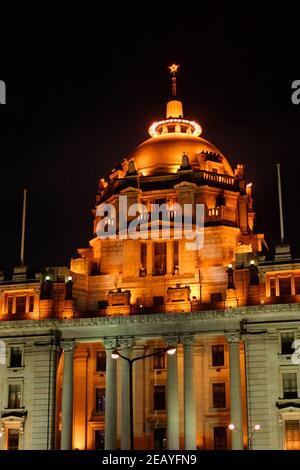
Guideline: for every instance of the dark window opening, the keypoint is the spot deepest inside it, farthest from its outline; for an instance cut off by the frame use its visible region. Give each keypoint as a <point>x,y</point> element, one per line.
<point>13,439</point>
<point>160,438</point>
<point>220,438</point>
<point>21,304</point>
<point>159,259</point>
<point>101,361</point>
<point>272,287</point>
<point>159,398</point>
<point>10,302</point>
<point>285,286</point>
<point>99,440</point>
<point>16,357</point>
<point>217,351</point>
<point>159,358</point>
<point>219,395</point>
<point>216,297</point>
<point>14,396</point>
<point>158,301</point>
<point>100,400</point>
<point>289,382</point>
<point>297,285</point>
<point>287,340</point>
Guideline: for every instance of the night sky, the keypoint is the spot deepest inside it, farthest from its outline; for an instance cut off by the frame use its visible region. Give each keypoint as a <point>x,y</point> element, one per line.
<point>83,86</point>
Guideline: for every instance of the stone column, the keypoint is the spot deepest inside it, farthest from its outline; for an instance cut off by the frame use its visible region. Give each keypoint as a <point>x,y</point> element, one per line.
<point>172,399</point>
<point>236,409</point>
<point>67,396</point>
<point>149,257</point>
<point>110,397</point>
<point>138,396</point>
<point>126,345</point>
<point>170,257</point>
<point>189,394</point>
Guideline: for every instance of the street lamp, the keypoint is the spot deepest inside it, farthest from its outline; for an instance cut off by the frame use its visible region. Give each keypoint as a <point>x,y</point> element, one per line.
<point>115,355</point>
<point>256,427</point>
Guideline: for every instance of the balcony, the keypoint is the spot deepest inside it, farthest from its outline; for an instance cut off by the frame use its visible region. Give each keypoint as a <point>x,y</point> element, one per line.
<point>220,214</point>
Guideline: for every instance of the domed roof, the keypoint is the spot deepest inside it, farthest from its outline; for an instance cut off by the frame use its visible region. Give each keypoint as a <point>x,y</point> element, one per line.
<point>163,153</point>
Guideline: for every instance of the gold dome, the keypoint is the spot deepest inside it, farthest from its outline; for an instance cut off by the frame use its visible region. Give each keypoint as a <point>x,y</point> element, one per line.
<point>162,154</point>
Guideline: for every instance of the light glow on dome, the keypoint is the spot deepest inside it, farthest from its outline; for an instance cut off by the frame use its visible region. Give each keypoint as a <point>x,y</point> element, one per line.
<point>197,130</point>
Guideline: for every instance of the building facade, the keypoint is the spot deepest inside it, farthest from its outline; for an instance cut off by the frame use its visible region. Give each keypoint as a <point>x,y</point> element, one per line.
<point>231,313</point>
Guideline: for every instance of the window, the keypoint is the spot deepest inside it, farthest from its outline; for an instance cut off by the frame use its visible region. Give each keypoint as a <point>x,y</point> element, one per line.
<point>21,304</point>
<point>287,340</point>
<point>14,396</point>
<point>285,286</point>
<point>217,353</point>
<point>297,285</point>
<point>158,301</point>
<point>101,361</point>
<point>219,395</point>
<point>220,201</point>
<point>99,439</point>
<point>292,435</point>
<point>176,254</point>
<point>289,385</point>
<point>159,359</point>
<point>100,400</point>
<point>159,399</point>
<point>13,439</point>
<point>160,438</point>
<point>159,258</point>
<point>15,357</point>
<point>272,287</point>
<point>10,302</point>
<point>216,297</point>
<point>143,259</point>
<point>220,438</point>
<point>31,303</point>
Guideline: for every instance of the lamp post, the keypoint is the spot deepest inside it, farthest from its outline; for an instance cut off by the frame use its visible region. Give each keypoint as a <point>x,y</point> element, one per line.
<point>115,355</point>
<point>256,427</point>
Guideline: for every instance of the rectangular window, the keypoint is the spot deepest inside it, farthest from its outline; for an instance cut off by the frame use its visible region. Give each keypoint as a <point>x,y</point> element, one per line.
<point>99,439</point>
<point>31,303</point>
<point>289,383</point>
<point>287,340</point>
<point>220,438</point>
<point>160,438</point>
<point>297,285</point>
<point>219,395</point>
<point>100,400</point>
<point>14,396</point>
<point>159,398</point>
<point>159,359</point>
<point>21,304</point>
<point>216,297</point>
<point>159,259</point>
<point>10,303</point>
<point>273,287</point>
<point>13,439</point>
<point>16,357</point>
<point>101,361</point>
<point>285,286</point>
<point>292,435</point>
<point>143,259</point>
<point>158,301</point>
<point>176,254</point>
<point>217,353</point>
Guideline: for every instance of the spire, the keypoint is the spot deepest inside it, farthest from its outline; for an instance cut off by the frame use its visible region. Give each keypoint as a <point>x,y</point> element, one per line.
<point>173,69</point>
<point>174,107</point>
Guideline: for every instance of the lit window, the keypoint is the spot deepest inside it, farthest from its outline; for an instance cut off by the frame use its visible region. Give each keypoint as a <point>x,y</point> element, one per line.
<point>217,352</point>
<point>159,398</point>
<point>289,383</point>
<point>219,395</point>
<point>292,435</point>
<point>14,396</point>
<point>287,340</point>
<point>101,361</point>
<point>100,400</point>
<point>16,357</point>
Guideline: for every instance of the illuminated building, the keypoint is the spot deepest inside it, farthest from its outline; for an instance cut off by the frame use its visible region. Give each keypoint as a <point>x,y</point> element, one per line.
<point>232,314</point>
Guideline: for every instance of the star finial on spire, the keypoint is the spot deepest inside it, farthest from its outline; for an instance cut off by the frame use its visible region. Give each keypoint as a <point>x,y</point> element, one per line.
<point>173,69</point>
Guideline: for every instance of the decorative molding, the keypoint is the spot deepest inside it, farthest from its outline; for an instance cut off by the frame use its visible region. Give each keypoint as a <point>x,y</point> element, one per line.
<point>187,340</point>
<point>110,343</point>
<point>68,346</point>
<point>233,337</point>
<point>126,342</point>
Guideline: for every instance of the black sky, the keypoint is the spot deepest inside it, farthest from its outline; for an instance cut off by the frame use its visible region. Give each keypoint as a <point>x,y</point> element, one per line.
<point>84,84</point>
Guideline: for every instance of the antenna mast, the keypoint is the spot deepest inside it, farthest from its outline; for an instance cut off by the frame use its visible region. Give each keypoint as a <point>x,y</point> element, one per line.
<point>23,226</point>
<point>280,205</point>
